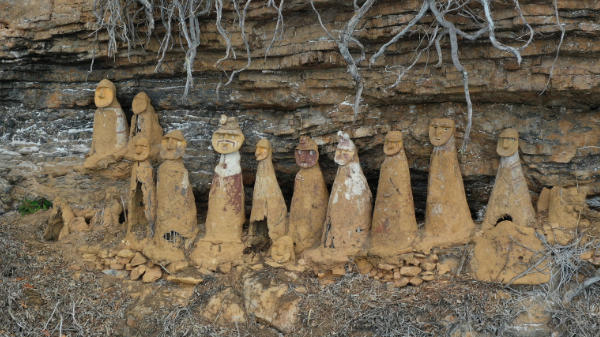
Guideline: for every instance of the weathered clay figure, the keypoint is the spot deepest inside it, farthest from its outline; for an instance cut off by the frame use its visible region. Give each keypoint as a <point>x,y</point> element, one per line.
<point>348,219</point>
<point>64,220</point>
<point>510,199</point>
<point>565,206</point>
<point>144,122</point>
<point>267,200</point>
<point>225,218</point>
<point>394,224</point>
<point>505,252</point>
<point>447,216</point>
<point>112,208</point>
<point>282,250</point>
<point>176,224</point>
<point>110,127</point>
<point>309,202</point>
<point>142,192</point>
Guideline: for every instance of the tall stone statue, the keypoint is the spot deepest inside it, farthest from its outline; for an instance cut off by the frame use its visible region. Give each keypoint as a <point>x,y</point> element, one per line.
<point>141,213</point>
<point>225,219</point>
<point>394,224</point>
<point>348,219</point>
<point>176,223</point>
<point>144,122</point>
<point>110,127</point>
<point>309,202</point>
<point>510,199</point>
<point>267,200</point>
<point>447,217</point>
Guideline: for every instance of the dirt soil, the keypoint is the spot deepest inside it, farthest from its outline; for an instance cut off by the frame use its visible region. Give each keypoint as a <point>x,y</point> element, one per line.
<point>43,294</point>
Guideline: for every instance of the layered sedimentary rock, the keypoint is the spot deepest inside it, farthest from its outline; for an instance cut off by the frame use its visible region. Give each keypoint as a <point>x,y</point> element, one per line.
<point>302,87</point>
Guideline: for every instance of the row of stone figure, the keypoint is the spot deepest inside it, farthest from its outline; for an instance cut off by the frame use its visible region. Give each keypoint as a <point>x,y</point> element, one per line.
<point>324,227</point>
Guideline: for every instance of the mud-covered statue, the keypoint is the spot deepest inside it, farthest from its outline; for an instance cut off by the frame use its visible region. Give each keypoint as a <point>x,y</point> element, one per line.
<point>225,218</point>
<point>309,202</point>
<point>144,122</point>
<point>394,226</point>
<point>110,127</point>
<point>176,223</point>
<point>447,217</point>
<point>510,199</point>
<point>141,207</point>
<point>267,200</point>
<point>348,218</point>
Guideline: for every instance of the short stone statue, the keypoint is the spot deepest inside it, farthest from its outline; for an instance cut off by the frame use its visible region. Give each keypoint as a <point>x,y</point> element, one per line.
<point>225,218</point>
<point>110,127</point>
<point>447,217</point>
<point>309,201</point>
<point>141,213</point>
<point>176,223</point>
<point>348,218</point>
<point>144,122</point>
<point>394,226</point>
<point>111,212</point>
<point>267,200</point>
<point>510,199</point>
<point>282,250</point>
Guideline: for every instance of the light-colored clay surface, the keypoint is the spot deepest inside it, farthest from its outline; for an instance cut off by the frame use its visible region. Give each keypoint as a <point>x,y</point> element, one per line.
<point>447,217</point>
<point>267,200</point>
<point>141,207</point>
<point>510,199</point>
<point>110,127</point>
<point>394,225</point>
<point>309,202</point>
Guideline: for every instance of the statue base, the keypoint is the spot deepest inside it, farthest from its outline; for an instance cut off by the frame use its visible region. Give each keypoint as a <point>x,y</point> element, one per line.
<point>210,255</point>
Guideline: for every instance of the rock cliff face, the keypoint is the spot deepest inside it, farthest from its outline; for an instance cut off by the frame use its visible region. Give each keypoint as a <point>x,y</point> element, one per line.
<point>302,87</point>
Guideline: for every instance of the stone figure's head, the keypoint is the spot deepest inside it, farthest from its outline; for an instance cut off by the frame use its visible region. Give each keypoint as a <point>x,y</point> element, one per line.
<point>282,249</point>
<point>441,131</point>
<point>105,94</point>
<point>508,142</point>
<point>141,147</point>
<point>229,137</point>
<point>173,145</point>
<point>346,150</point>
<point>141,102</point>
<point>263,149</point>
<point>307,152</point>
<point>393,143</point>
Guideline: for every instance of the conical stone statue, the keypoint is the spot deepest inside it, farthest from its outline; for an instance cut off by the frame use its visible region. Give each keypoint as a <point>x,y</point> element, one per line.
<point>225,218</point>
<point>176,223</point>
<point>447,217</point>
<point>510,199</point>
<point>110,127</point>
<point>267,200</point>
<point>348,219</point>
<point>141,213</point>
<point>145,122</point>
<point>394,224</point>
<point>309,202</point>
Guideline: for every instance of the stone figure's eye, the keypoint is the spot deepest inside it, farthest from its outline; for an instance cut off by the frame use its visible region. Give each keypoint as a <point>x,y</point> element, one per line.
<point>312,153</point>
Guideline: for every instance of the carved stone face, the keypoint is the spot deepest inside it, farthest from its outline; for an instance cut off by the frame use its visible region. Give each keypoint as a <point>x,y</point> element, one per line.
<point>142,149</point>
<point>172,146</point>
<point>140,103</point>
<point>508,142</point>
<point>227,142</point>
<point>263,150</point>
<point>307,158</point>
<point>393,143</point>
<point>344,156</point>
<point>440,131</point>
<point>282,249</point>
<point>105,94</point>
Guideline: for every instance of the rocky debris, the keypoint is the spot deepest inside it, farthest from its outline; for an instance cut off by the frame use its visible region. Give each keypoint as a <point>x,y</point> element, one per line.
<point>506,252</point>
<point>137,272</point>
<point>225,307</point>
<point>273,304</point>
<point>151,274</point>
<point>137,259</point>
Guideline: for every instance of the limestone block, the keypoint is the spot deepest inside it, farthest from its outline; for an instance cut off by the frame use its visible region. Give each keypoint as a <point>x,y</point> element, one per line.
<point>272,304</point>
<point>225,307</point>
